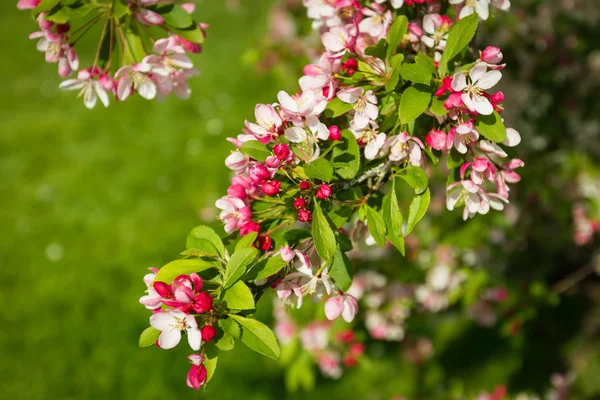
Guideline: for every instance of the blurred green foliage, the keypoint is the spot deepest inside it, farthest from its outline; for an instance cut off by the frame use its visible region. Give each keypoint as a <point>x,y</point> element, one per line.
<point>90,199</point>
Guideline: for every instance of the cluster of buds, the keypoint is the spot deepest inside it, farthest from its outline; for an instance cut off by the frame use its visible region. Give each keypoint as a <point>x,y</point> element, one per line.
<point>128,59</point>
<point>176,309</point>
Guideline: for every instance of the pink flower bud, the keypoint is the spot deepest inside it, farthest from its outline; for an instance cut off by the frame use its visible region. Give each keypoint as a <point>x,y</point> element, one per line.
<point>304,215</point>
<point>28,4</point>
<point>491,55</point>
<point>259,173</point>
<point>237,161</point>
<point>335,133</point>
<point>497,97</point>
<point>208,333</point>
<point>43,23</point>
<point>202,303</point>
<point>265,242</point>
<point>304,185</point>
<point>350,66</point>
<point>334,307</point>
<point>287,254</point>
<point>299,203</point>
<point>189,7</point>
<point>196,376</point>
<point>163,289</point>
<point>237,191</point>
<point>197,281</point>
<point>346,336</point>
<point>436,139</point>
<point>273,162</point>
<point>282,151</point>
<point>107,82</point>
<point>249,227</point>
<point>271,188</point>
<point>324,191</point>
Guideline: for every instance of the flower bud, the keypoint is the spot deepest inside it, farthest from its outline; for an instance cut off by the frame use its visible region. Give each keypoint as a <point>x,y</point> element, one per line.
<point>282,151</point>
<point>271,188</point>
<point>43,23</point>
<point>287,254</point>
<point>259,173</point>
<point>345,336</point>
<point>202,303</point>
<point>491,55</point>
<point>299,203</point>
<point>304,215</point>
<point>304,185</point>
<point>436,139</point>
<point>265,242</point>
<point>196,376</point>
<point>237,161</point>
<point>273,162</point>
<point>350,66</point>
<point>335,133</point>
<point>497,97</point>
<point>237,191</point>
<point>249,227</point>
<point>208,333</point>
<point>324,191</point>
<point>163,289</point>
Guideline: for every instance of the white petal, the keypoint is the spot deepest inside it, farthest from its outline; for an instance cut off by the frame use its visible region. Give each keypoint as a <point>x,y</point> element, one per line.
<point>513,138</point>
<point>147,89</point>
<point>489,79</point>
<point>71,84</point>
<point>459,82</point>
<point>194,338</point>
<point>452,198</point>
<point>169,338</point>
<point>287,101</point>
<point>162,321</point>
<point>482,105</point>
<point>101,93</point>
<point>295,134</point>
<point>477,72</point>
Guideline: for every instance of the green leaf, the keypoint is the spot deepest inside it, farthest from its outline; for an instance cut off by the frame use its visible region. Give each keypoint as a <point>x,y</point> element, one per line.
<point>59,15</point>
<point>416,73</point>
<point>392,82</point>
<point>149,337</point>
<point>346,156</point>
<point>226,343</point>
<point>393,219</point>
<point>413,103</point>
<point>119,8</point>
<point>258,337</point>
<point>319,169</point>
<point>239,297</point>
<point>416,177</point>
<point>322,234</point>
<point>182,267</point>
<point>175,15</point>
<point>395,35</point>
<point>437,106</point>
<point>134,43</point>
<point>192,33</point>
<point>256,150</point>
<point>269,267</point>
<point>204,238</point>
<point>340,215</point>
<point>336,107</point>
<point>459,37</point>
<point>295,235</point>
<point>341,270</point>
<point>300,375</point>
<point>377,50</point>
<point>376,225</point>
<point>426,62</point>
<point>237,265</point>
<point>210,361</point>
<point>46,5</point>
<point>246,241</point>
<point>231,327</point>
<point>491,126</point>
<point>418,208</point>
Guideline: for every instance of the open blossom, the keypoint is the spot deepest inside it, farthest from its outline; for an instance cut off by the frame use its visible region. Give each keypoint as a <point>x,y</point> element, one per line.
<point>171,323</point>
<point>310,102</point>
<point>152,300</point>
<point>234,213</point>
<point>305,281</point>
<point>481,7</point>
<point>338,40</point>
<point>508,175</point>
<point>237,161</point>
<point>365,105</point>
<point>376,21</point>
<point>480,168</point>
<point>462,136</point>
<point>309,135</point>
<point>90,88</point>
<point>373,140</point>
<point>56,50</point>
<point>342,304</point>
<point>474,198</point>
<point>404,147</point>
<point>145,16</point>
<point>479,80</point>
<point>136,78</point>
<point>171,68</point>
<point>267,123</point>
<point>196,376</point>
<point>320,76</point>
<point>436,28</point>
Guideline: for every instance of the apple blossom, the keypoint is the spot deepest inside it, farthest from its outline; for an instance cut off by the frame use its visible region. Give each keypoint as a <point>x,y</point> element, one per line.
<point>234,213</point>
<point>365,105</point>
<point>339,40</point>
<point>462,136</point>
<point>341,304</point>
<point>479,81</point>
<point>267,125</point>
<point>136,78</point>
<point>376,21</point>
<point>90,88</point>
<point>197,374</point>
<point>474,198</point>
<point>403,147</point>
<point>436,28</point>
<point>171,323</point>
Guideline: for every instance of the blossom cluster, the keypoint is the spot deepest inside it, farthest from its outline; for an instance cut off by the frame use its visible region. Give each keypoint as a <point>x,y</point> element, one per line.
<point>129,59</point>
<point>395,91</point>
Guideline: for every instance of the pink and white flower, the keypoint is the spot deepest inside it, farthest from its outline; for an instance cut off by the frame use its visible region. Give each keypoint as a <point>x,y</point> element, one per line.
<point>479,80</point>
<point>234,214</point>
<point>469,7</point>
<point>339,40</point>
<point>309,135</point>
<point>462,137</point>
<point>404,147</point>
<point>320,76</point>
<point>152,300</point>
<point>136,78</point>
<point>310,102</point>
<point>171,323</point>
<point>376,22</point>
<point>268,123</point>
<point>197,374</point>
<point>365,105</point>
<point>436,28</point>
<point>341,304</point>
<point>473,197</point>
<point>90,88</point>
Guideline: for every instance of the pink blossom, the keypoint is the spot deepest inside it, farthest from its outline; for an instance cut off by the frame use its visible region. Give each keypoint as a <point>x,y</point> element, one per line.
<point>473,197</point>
<point>196,376</point>
<point>481,7</point>
<point>310,102</point>
<point>152,300</point>
<point>91,89</point>
<point>320,76</point>
<point>137,78</point>
<point>237,161</point>
<point>171,323</point>
<point>376,22</point>
<point>28,4</point>
<point>436,28</point>
<point>480,80</point>
<point>404,147</point>
<point>480,168</point>
<point>462,136</point>
<point>493,57</point>
<point>287,254</point>
<point>342,304</point>
<point>365,105</point>
<point>268,123</point>
<point>234,213</point>
<point>148,17</point>
<point>508,175</point>
<point>436,139</point>
<point>258,173</point>
<point>339,40</point>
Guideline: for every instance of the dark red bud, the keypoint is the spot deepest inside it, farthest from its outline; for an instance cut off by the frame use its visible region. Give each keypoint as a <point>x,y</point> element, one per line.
<point>299,203</point>
<point>208,333</point>
<point>202,302</point>
<point>304,185</point>
<point>304,216</point>
<point>335,133</point>
<point>324,191</point>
